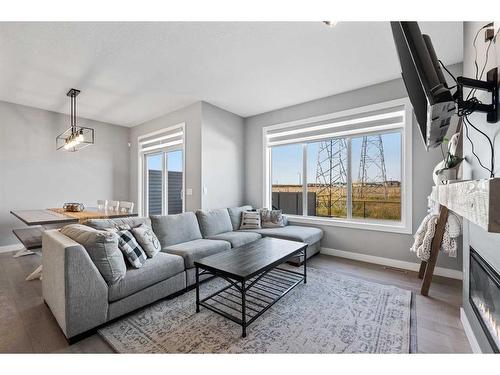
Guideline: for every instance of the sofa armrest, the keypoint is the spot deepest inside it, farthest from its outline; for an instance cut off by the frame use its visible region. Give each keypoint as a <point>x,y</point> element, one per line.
<point>72,286</point>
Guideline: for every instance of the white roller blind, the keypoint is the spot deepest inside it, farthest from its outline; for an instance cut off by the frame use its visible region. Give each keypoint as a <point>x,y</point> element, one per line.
<point>373,121</point>
<point>162,139</point>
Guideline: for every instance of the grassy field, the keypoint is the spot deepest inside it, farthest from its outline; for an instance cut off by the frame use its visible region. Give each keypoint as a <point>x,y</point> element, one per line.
<point>368,202</point>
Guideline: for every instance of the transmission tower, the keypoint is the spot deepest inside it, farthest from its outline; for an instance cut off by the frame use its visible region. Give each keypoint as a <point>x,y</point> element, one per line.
<point>372,175</point>
<point>331,176</point>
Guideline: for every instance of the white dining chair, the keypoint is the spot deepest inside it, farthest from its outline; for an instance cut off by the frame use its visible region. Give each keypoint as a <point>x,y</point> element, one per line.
<point>113,206</point>
<point>126,207</point>
<point>102,204</point>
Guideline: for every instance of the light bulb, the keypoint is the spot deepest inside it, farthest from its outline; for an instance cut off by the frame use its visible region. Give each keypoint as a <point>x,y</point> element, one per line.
<point>70,142</point>
<point>79,137</point>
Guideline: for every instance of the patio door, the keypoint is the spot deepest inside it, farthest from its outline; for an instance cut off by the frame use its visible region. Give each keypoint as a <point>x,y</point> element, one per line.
<point>163,182</point>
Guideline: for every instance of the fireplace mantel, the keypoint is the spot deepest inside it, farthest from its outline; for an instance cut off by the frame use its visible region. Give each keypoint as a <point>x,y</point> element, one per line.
<point>476,200</point>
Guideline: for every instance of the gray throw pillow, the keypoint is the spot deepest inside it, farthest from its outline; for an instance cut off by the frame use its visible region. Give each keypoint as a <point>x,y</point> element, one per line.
<point>250,220</point>
<point>102,248</point>
<point>147,239</point>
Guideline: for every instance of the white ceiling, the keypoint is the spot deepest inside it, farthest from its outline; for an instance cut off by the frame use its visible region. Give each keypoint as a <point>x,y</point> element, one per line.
<point>133,72</point>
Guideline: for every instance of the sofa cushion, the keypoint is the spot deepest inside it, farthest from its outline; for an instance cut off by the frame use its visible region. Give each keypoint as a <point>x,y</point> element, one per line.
<point>237,239</point>
<point>103,224</point>
<point>154,270</point>
<point>235,215</point>
<point>213,222</point>
<point>308,235</point>
<point>102,248</point>
<point>197,249</point>
<point>174,229</point>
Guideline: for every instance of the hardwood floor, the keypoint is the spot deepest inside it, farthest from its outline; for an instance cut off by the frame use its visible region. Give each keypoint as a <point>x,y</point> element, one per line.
<point>27,325</point>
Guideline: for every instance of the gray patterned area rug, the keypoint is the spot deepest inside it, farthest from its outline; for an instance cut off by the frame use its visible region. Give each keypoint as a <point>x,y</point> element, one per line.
<point>332,313</point>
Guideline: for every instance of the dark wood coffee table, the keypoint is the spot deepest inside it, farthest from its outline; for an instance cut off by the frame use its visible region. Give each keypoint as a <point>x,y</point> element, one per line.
<point>256,282</point>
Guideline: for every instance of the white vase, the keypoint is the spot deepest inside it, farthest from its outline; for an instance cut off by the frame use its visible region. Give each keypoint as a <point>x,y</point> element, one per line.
<point>446,175</point>
<point>435,177</point>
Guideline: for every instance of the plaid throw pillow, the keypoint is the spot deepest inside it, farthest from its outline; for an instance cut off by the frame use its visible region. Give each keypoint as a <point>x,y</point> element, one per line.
<point>250,220</point>
<point>132,251</point>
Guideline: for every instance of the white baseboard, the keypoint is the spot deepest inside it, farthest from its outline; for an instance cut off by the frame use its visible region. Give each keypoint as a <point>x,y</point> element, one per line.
<point>8,248</point>
<point>469,333</point>
<point>440,271</point>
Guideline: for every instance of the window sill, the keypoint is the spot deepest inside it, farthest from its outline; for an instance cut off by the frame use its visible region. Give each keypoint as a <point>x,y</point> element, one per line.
<point>376,225</point>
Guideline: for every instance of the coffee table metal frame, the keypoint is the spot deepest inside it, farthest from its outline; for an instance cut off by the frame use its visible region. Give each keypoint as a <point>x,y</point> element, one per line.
<point>253,294</point>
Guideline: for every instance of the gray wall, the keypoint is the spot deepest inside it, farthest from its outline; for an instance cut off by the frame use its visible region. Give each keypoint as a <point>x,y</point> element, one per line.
<point>487,244</point>
<point>382,244</point>
<point>191,116</point>
<point>34,175</point>
<point>222,157</point>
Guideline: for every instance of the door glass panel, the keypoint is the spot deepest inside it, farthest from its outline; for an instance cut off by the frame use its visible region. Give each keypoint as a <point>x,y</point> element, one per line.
<point>155,179</point>
<point>175,172</point>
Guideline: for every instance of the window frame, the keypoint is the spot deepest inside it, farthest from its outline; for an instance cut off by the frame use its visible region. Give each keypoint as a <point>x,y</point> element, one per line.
<point>142,154</point>
<point>405,129</point>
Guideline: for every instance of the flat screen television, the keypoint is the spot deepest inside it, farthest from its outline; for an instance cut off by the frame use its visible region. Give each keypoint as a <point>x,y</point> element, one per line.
<point>429,94</point>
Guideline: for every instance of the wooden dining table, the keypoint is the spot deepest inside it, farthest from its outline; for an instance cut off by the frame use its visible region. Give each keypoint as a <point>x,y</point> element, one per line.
<point>51,218</point>
<point>55,216</point>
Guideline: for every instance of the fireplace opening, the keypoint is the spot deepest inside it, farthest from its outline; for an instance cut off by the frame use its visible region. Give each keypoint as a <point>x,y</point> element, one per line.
<point>484,296</point>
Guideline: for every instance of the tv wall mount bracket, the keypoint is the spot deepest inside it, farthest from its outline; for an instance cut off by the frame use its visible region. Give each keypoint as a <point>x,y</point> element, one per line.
<point>490,85</point>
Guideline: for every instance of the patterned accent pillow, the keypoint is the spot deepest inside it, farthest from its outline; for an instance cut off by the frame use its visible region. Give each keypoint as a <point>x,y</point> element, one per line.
<point>132,251</point>
<point>250,220</point>
<point>271,218</point>
<point>123,227</point>
<point>147,239</point>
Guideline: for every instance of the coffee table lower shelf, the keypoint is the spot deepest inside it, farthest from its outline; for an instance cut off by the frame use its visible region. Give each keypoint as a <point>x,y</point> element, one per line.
<point>244,302</point>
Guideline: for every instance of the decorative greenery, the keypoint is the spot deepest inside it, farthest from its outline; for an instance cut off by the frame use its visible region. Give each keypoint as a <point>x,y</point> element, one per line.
<point>450,161</point>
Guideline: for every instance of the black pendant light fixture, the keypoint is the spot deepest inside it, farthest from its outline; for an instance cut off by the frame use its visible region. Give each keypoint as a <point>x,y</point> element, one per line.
<point>76,137</point>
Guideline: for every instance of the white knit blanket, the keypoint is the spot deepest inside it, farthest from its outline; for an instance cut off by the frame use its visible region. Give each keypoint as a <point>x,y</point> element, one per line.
<point>425,233</point>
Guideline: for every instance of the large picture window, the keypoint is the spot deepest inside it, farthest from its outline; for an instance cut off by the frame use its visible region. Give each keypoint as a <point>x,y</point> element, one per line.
<point>349,170</point>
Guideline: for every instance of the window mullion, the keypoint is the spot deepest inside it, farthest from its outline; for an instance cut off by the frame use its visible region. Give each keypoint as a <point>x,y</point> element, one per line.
<point>268,179</point>
<point>349,179</point>
<point>164,183</point>
<point>304,179</point>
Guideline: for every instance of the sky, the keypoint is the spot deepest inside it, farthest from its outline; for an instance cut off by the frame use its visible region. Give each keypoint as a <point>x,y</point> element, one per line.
<point>174,161</point>
<point>287,160</point>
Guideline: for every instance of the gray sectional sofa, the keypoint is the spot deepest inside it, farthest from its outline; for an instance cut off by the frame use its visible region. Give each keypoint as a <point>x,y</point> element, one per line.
<point>81,299</point>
